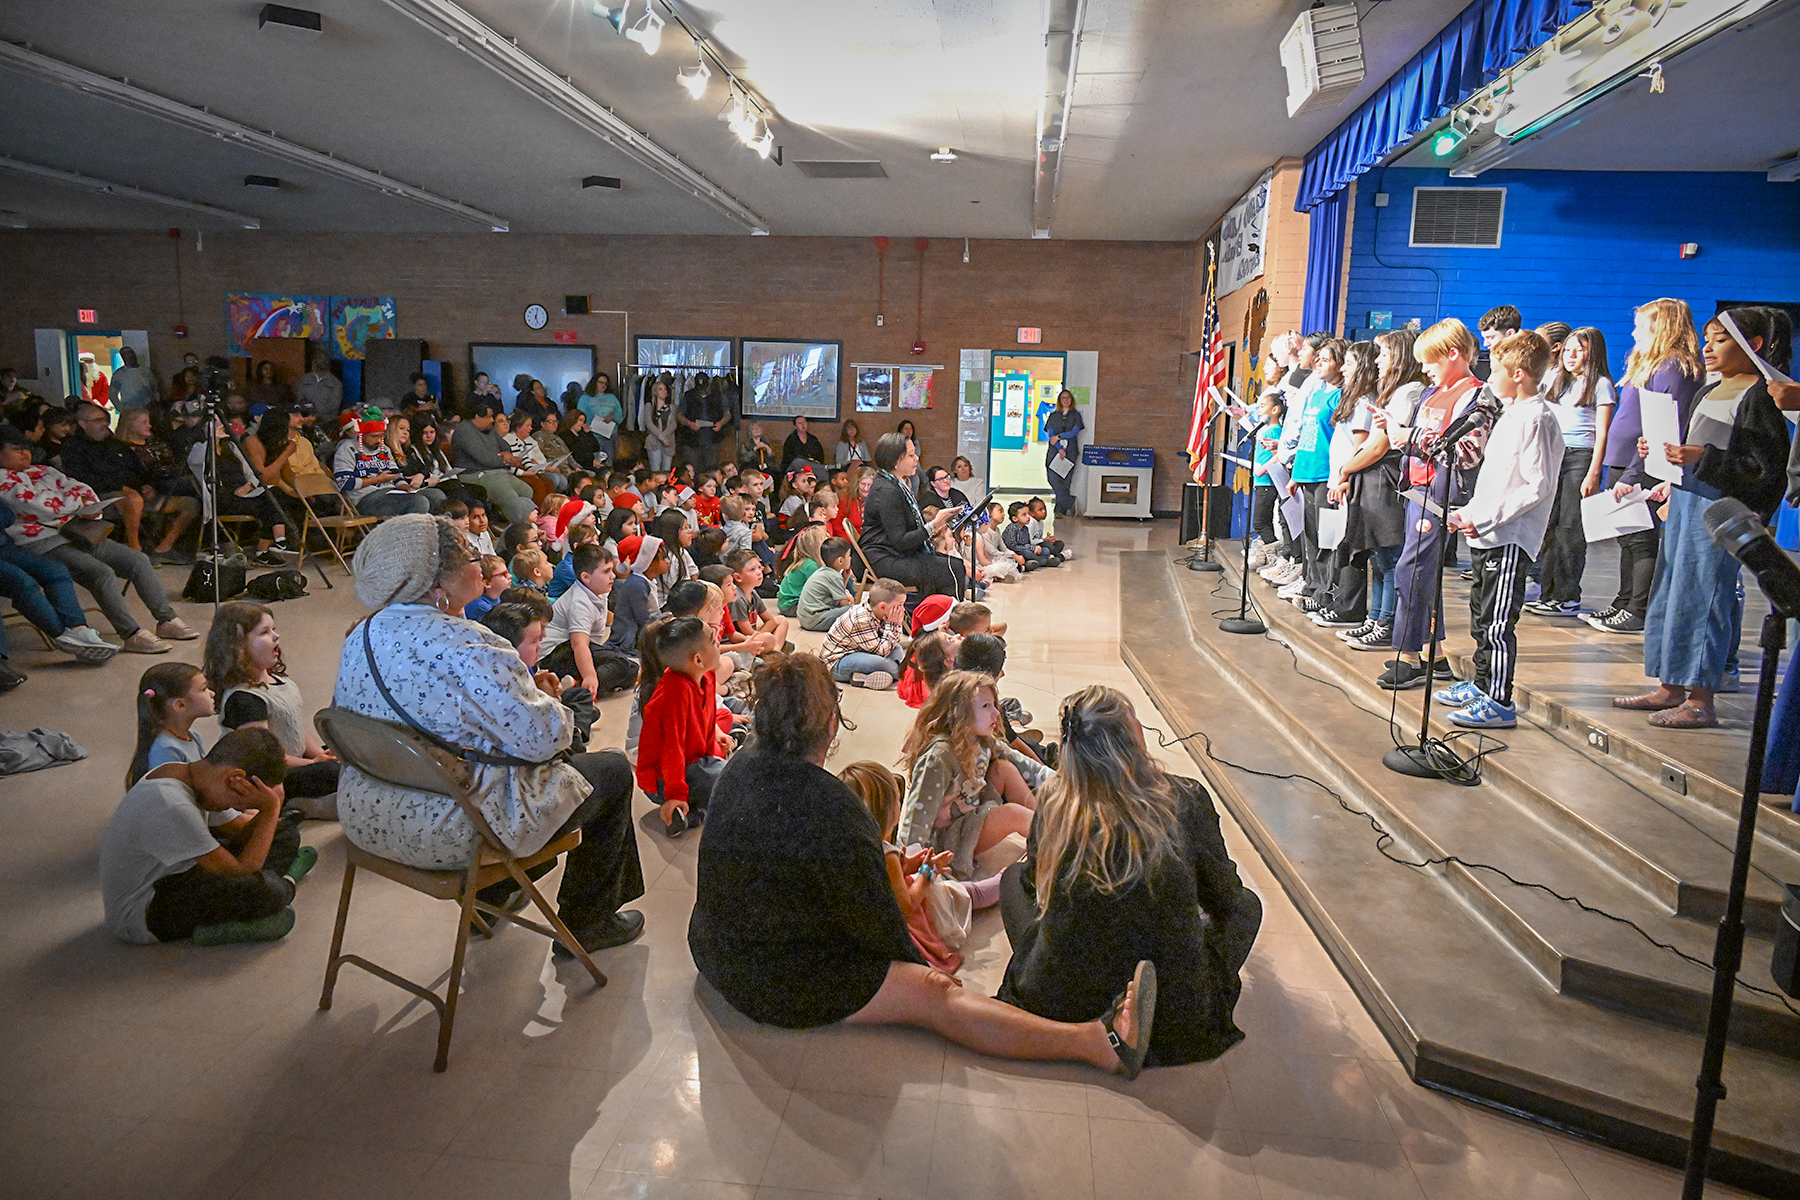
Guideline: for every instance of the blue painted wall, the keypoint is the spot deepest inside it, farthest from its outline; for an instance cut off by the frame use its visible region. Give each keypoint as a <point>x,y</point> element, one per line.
<point>1585,247</point>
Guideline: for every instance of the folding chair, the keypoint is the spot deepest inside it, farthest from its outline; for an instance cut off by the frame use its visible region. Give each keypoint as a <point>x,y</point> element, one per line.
<point>345,523</point>
<point>865,578</point>
<point>404,758</point>
<point>225,521</point>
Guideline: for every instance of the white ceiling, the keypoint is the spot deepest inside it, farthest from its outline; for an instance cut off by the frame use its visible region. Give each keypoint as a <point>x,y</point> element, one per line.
<point>1178,105</point>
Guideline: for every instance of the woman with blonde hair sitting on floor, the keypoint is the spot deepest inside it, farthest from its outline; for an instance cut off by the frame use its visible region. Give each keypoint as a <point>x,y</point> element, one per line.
<point>1126,862</point>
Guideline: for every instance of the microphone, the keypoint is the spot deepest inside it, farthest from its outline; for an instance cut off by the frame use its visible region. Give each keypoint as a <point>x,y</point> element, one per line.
<point>1476,416</point>
<point>1741,533</point>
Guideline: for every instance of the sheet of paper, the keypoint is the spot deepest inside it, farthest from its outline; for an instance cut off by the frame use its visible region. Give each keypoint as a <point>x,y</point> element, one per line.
<point>1762,364</point>
<point>1062,465</point>
<point>1331,526</point>
<point>1603,517</point>
<point>1278,475</point>
<point>1232,458</point>
<point>1418,497</point>
<point>1662,427</point>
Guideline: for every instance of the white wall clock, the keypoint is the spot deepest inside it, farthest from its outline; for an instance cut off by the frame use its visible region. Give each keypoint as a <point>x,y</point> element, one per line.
<point>536,317</point>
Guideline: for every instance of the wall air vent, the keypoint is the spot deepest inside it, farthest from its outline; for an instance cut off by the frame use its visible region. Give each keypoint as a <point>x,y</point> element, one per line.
<point>841,168</point>
<point>1466,217</point>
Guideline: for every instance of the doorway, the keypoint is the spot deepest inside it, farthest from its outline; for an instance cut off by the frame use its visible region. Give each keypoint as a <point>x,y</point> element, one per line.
<point>105,346</point>
<point>1024,388</point>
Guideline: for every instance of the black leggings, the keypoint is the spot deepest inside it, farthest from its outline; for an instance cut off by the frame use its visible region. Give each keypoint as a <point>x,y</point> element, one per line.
<point>1262,514</point>
<point>313,780</point>
<point>603,874</point>
<point>268,514</point>
<point>613,671</point>
<point>183,903</point>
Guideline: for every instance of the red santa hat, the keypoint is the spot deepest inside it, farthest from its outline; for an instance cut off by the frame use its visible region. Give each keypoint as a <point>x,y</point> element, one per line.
<point>931,614</point>
<point>573,512</point>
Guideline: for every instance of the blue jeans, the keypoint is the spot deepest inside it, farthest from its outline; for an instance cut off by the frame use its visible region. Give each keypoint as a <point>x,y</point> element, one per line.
<point>858,662</point>
<point>1383,595</point>
<point>40,588</point>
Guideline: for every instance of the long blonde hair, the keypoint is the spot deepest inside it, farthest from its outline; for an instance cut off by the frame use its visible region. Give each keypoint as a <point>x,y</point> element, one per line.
<point>1672,335</point>
<point>1108,814</point>
<point>879,789</point>
<point>950,714</point>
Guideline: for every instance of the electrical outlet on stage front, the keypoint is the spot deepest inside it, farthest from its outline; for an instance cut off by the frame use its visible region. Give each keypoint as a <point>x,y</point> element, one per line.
<point>1598,740</point>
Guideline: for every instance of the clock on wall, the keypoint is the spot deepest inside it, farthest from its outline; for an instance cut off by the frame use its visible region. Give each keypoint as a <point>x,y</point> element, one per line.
<point>536,317</point>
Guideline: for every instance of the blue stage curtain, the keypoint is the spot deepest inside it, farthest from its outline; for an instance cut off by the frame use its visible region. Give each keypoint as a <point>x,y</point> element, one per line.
<point>1324,264</point>
<point>1484,40</point>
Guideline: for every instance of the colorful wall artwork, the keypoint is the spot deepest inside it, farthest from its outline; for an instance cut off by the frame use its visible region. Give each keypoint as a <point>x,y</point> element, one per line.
<point>915,387</point>
<point>272,315</point>
<point>356,319</point>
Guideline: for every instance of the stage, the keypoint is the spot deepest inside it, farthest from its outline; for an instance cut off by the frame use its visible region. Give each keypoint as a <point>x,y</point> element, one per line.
<point>1501,993</point>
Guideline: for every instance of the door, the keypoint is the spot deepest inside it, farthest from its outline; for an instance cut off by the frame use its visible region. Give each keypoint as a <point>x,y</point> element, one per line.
<point>1011,392</point>
<point>52,382</point>
<point>1025,387</point>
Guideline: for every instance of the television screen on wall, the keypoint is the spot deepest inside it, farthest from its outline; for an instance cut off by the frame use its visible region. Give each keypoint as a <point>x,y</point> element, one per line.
<point>556,366</point>
<point>786,379</point>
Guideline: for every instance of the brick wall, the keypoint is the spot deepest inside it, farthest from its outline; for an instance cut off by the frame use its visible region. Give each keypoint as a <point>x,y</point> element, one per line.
<point>1130,301</point>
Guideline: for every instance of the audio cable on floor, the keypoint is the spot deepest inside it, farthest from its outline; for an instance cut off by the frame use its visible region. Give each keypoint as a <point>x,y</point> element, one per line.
<point>1385,840</point>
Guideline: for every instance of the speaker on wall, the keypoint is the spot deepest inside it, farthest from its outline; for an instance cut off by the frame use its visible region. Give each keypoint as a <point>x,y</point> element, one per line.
<point>388,365</point>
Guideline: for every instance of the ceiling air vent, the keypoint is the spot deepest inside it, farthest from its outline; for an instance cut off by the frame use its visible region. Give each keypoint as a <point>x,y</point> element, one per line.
<point>1468,217</point>
<point>841,168</point>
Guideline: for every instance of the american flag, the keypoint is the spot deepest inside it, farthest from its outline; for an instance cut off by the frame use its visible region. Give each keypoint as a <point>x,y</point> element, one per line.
<point>1206,386</point>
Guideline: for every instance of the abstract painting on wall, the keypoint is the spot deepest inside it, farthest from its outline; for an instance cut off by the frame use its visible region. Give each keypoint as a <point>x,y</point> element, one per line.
<point>356,319</point>
<point>915,387</point>
<point>272,315</point>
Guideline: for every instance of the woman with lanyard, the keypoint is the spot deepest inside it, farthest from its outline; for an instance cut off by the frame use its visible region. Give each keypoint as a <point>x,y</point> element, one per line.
<point>896,538</point>
<point>1063,426</point>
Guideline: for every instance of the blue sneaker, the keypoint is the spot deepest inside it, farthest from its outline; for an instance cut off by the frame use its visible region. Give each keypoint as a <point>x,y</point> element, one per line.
<point>1456,697</point>
<point>1485,713</point>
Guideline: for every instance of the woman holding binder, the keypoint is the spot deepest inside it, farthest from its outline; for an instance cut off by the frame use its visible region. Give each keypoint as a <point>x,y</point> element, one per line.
<point>1063,427</point>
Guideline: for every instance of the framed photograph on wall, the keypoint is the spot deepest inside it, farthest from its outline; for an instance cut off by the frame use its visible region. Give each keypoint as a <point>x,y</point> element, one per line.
<point>787,378</point>
<point>874,389</point>
<point>703,353</point>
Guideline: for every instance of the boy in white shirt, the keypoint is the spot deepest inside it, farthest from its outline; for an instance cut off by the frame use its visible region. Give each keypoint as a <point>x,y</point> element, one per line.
<point>574,643</point>
<point>1505,521</point>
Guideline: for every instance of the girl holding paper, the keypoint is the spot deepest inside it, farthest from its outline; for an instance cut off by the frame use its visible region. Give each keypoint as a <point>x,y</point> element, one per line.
<point>1665,360</point>
<point>1736,444</point>
<point>1582,400</point>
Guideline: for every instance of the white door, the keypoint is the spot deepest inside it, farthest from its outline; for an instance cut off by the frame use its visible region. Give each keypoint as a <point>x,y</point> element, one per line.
<point>52,381</point>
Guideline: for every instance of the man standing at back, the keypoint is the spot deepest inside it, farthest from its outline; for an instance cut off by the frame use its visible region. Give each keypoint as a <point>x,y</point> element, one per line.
<point>133,386</point>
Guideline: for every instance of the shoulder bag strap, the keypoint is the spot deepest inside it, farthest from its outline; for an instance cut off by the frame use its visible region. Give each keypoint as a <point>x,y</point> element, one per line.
<point>466,753</point>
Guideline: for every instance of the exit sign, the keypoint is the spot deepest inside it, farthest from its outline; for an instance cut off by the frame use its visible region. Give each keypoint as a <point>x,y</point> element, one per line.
<point>87,316</point>
<point>563,337</point>
<point>1030,336</point>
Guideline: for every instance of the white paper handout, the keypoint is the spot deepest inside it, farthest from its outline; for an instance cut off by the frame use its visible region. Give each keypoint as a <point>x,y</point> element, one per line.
<point>1418,497</point>
<point>1331,526</point>
<point>1293,508</point>
<point>1604,517</point>
<point>1762,364</point>
<point>605,428</point>
<point>1662,427</point>
<point>1062,465</point>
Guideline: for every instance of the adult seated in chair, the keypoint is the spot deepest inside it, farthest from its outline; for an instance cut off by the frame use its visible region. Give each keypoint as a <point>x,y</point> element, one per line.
<point>467,685</point>
<point>895,535</point>
<point>796,924</point>
<point>1127,863</point>
<point>112,468</point>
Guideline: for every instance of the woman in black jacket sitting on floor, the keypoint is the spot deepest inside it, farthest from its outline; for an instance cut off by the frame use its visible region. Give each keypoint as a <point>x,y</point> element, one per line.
<point>896,538</point>
<point>796,924</point>
<point>1127,863</point>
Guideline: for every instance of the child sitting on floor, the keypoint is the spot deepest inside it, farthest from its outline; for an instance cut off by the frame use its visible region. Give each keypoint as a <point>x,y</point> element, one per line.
<point>802,555</point>
<point>966,789</point>
<point>985,653</point>
<point>1018,539</point>
<point>863,646</point>
<point>927,660</point>
<point>171,696</point>
<point>577,641</point>
<point>495,578</point>
<point>523,624</point>
<point>827,590</point>
<point>167,876</point>
<point>910,874</point>
<point>682,747</point>
<point>749,613</point>
<point>530,568</point>
<point>969,616</point>
<point>243,658</point>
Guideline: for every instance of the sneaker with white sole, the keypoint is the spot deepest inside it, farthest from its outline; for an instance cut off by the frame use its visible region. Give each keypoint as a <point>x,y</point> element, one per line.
<point>145,642</point>
<point>876,681</point>
<point>1620,622</point>
<point>1460,695</point>
<point>176,630</point>
<point>1291,591</point>
<point>1351,634</point>
<point>1598,615</point>
<point>1485,713</point>
<point>1381,637</point>
<point>1331,618</point>
<point>85,649</point>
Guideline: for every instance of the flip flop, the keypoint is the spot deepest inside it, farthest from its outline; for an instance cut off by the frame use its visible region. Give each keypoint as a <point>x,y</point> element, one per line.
<point>1687,716</point>
<point>1644,703</point>
<point>1132,1054</point>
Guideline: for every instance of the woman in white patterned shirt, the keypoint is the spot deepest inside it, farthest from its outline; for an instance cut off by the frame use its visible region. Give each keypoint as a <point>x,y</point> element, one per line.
<point>467,685</point>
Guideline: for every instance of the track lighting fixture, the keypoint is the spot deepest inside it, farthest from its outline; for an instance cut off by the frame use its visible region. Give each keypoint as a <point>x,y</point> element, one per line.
<point>648,31</point>
<point>694,78</point>
<point>765,144</point>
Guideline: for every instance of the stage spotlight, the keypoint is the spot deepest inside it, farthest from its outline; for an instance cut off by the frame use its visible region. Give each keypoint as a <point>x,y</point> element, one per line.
<point>1447,140</point>
<point>765,144</point>
<point>647,32</point>
<point>695,78</point>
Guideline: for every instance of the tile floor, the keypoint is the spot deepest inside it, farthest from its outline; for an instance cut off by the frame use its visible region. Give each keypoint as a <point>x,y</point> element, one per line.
<point>170,1071</point>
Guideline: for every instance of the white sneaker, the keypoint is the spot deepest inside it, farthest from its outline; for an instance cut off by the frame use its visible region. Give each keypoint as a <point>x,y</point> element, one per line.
<point>877,681</point>
<point>1291,591</point>
<point>89,649</point>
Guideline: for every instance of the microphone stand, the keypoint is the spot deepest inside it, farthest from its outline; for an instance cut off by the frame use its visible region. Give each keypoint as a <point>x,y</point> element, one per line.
<point>1728,950</point>
<point>1431,758</point>
<point>1243,622</point>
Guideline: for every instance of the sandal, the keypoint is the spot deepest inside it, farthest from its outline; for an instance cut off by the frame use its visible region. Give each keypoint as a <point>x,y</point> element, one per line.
<point>1131,1056</point>
<point>1646,703</point>
<point>1686,716</point>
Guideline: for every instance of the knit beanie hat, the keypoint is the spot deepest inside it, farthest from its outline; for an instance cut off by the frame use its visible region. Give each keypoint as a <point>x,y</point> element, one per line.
<point>398,562</point>
<point>931,614</point>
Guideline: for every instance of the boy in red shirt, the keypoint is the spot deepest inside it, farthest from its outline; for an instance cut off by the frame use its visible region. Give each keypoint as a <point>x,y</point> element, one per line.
<point>684,741</point>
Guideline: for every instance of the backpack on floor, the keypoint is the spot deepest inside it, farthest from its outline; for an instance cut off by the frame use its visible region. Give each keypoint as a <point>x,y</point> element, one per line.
<point>231,569</point>
<point>285,584</point>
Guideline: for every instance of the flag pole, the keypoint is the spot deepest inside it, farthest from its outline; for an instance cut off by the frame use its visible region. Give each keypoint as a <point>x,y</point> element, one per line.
<point>1203,471</point>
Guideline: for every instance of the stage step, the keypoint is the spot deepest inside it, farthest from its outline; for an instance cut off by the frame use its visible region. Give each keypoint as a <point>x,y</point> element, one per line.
<point>1595,818</point>
<point>1483,988</point>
